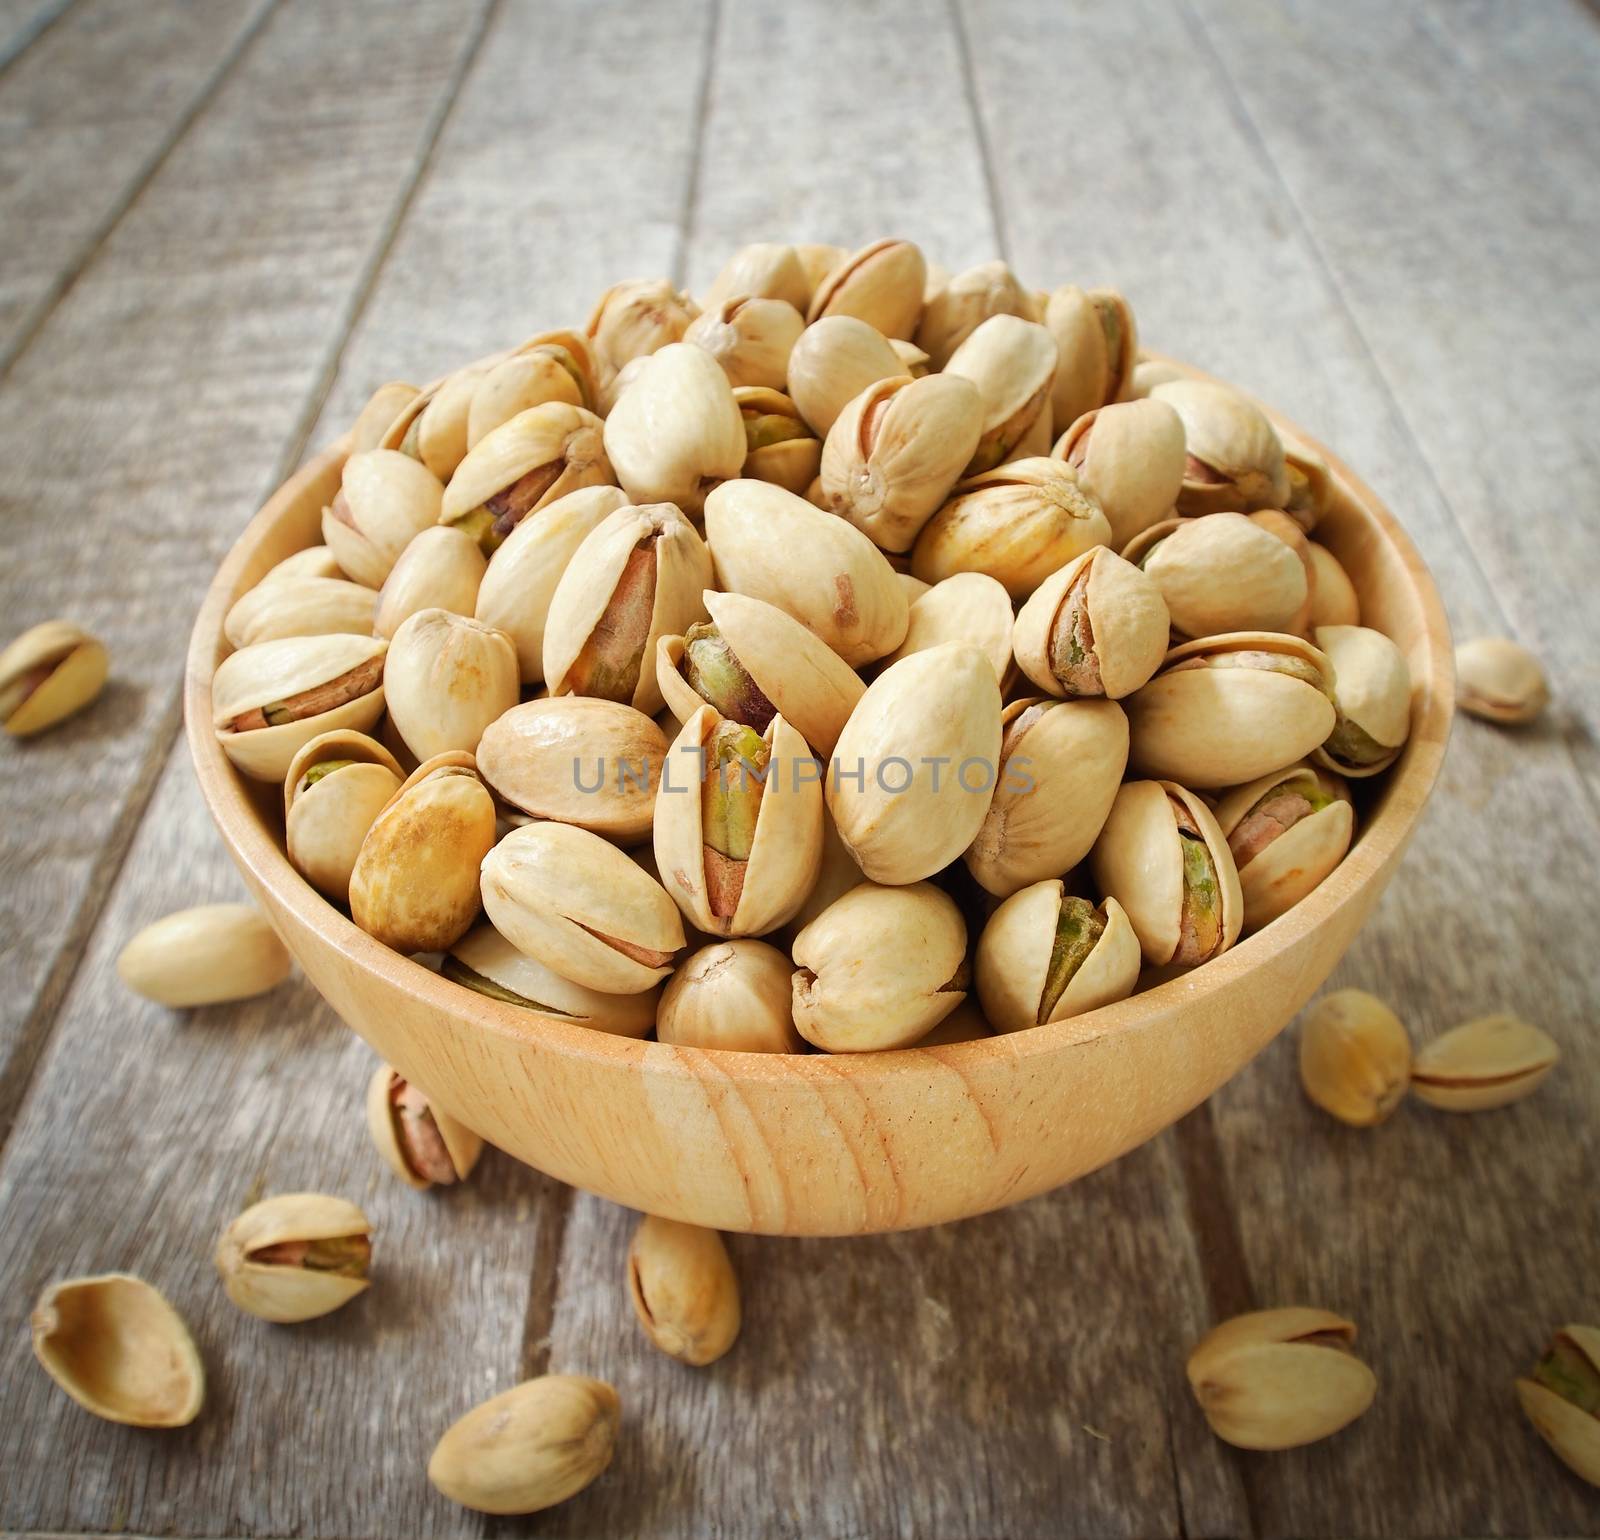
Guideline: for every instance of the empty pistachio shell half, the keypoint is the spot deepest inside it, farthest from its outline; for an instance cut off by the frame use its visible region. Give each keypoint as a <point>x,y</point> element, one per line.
<point>530,1447</point>
<point>1235,457</point>
<point>1012,363</point>
<point>1561,1397</point>
<point>1333,595</point>
<point>833,362</point>
<point>764,268</point>
<point>636,318</point>
<point>296,1256</point>
<point>203,956</point>
<point>384,500</point>
<point>967,607</point>
<point>954,310</point>
<point>1221,572</point>
<point>446,678</point>
<point>1483,1064</point>
<point>731,995</point>
<point>1129,458</point>
<point>1355,1057</point>
<point>47,674</point>
<point>1372,697</point>
<point>116,1346</point>
<point>684,1289</point>
<point>385,404</point>
<point>1276,1379</point>
<point>335,789</point>
<point>308,606</point>
<point>779,445</point>
<point>440,570</point>
<point>880,284</point>
<point>1287,831</point>
<point>422,1144</point>
<point>750,337</point>
<point>1098,345</point>
<point>1499,680</point>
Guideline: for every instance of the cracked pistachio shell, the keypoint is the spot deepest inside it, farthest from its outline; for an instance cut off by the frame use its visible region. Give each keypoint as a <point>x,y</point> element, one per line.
<point>384,500</point>
<point>1280,863</point>
<point>817,259</point>
<point>446,679</point>
<point>440,570</point>
<point>954,310</point>
<point>879,968</point>
<point>326,817</point>
<point>524,465</point>
<point>833,362</point>
<point>1061,763</point>
<point>415,882</point>
<point>765,270</point>
<point>529,1447</point>
<point>776,547</point>
<point>1483,1064</point>
<point>638,317</point>
<point>1235,457</point>
<point>120,1350</point>
<point>288,1292</point>
<point>578,760</point>
<point>797,673</point>
<point>49,672</point>
<point>1139,861</point>
<point>1217,723</point>
<point>684,1289</point>
<point>577,904</point>
<point>732,995</point>
<point>460,1146</point>
<point>385,404</point>
<point>203,956</point>
<point>1124,622</point>
<point>1017,523</point>
<point>1012,362</point>
<point>433,428</point>
<point>880,284</point>
<point>1129,457</point>
<point>1372,694</point>
<point>750,338</point>
<point>915,767</point>
<point>614,387</point>
<point>516,591</point>
<point>894,453</point>
<point>791,463</point>
<point>967,607</point>
<point>786,848</point>
<point>1221,572</point>
<point>676,432</point>
<point>553,366</point>
<point>1499,680</point>
<point>638,576</point>
<point>300,606</point>
<point>1560,1399</point>
<point>1276,1379</point>
<point>1355,1057</point>
<point>1015,951</point>
<point>1333,595</point>
<point>485,962</point>
<point>299,672</point>
<point>1097,343</point>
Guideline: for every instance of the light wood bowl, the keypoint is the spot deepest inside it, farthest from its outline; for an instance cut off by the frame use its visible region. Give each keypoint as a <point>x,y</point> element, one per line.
<point>816,1144</point>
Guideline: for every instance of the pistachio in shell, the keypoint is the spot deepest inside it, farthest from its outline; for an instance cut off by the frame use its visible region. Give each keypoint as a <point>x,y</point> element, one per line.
<point>446,678</point>
<point>1129,457</point>
<point>204,956</point>
<point>1235,457</point>
<point>1277,523</point>
<point>765,270</point>
<point>1012,363</point>
<point>312,561</point>
<point>1372,699</point>
<point>836,876</point>
<point>432,427</point>
<point>817,259</point>
<point>305,606</point>
<point>638,317</point>
<point>1150,372</point>
<point>296,1256</point>
<point>553,366</point>
<point>385,498</point>
<point>835,360</point>
<point>954,310</point>
<point>334,790</point>
<point>440,570</point>
<point>1483,1064</point>
<point>1221,572</point>
<point>965,607</point>
<point>751,338</point>
<point>1311,484</point>
<point>385,404</point>
<point>779,444</point>
<point>1500,680</point>
<point>1334,601</point>
<point>1097,345</point>
<point>880,284</point>
<point>684,1290</point>
<point>731,995</point>
<point>47,674</point>
<point>1561,1398</point>
<point>421,1143</point>
<point>1355,1057</point>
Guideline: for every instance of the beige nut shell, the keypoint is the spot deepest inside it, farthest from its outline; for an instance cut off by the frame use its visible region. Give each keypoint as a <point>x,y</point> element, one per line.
<point>440,570</point>
<point>965,607</point>
<point>833,362</point>
<point>880,284</point>
<point>1569,1429</point>
<point>1221,572</point>
<point>1228,432</point>
<point>1372,688</point>
<point>280,1293</point>
<point>1129,457</point>
<point>390,498</point>
<point>326,822</point>
<point>204,956</point>
<point>78,668</point>
<point>1483,1064</point>
<point>305,606</point>
<point>556,433</point>
<point>461,1144</point>
<point>445,679</point>
<point>733,996</point>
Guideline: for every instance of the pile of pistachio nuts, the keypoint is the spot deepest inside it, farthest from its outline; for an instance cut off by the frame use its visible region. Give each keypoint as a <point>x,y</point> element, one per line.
<point>772,670</point>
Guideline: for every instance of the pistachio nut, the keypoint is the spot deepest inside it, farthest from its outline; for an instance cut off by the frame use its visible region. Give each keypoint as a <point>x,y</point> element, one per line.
<point>751,338</point>
<point>1372,699</point>
<point>879,968</point>
<point>441,569</point>
<point>915,768</point>
<point>779,445</point>
<point>306,606</point>
<point>1097,343</point>
<point>579,760</point>
<point>738,827</point>
<point>638,576</point>
<point>432,428</point>
<point>1311,484</point>
<point>1227,709</point>
<point>1129,457</point>
<point>1061,763</point>
<point>614,387</point>
<point>486,963</point>
<point>894,453</point>
<point>1163,858</point>
<point>415,882</point>
<point>880,284</point>
<point>1235,457</point>
<point>1287,831</point>
<point>385,404</point>
<point>525,464</point>
<point>1150,372</point>
<point>1046,955</point>
<point>770,545</point>
<point>516,591</point>
<point>1355,1057</point>
<point>766,270</point>
<point>1483,1064</point>
<point>1333,595</point>
<point>1276,1379</point>
<point>751,661</point>
<point>683,1289</point>
<point>554,366</point>
<point>204,956</point>
<point>638,317</point>
<point>1500,681</point>
<point>966,607</point>
<point>1012,362</point>
<point>446,679</point>
<point>732,995</point>
<point>384,499</point>
<point>335,789</point>
<point>296,1256</point>
<point>817,259</point>
<point>956,309</point>
<point>1097,626</point>
<point>1561,1397</point>
<point>120,1350</point>
<point>833,362</point>
<point>529,1447</point>
<point>313,561</point>
<point>577,904</point>
<point>46,674</point>
<point>1220,572</point>
<point>1018,523</point>
<point>422,1144</point>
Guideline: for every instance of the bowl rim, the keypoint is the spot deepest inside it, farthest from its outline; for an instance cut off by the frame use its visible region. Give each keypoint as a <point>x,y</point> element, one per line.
<point>262,860</point>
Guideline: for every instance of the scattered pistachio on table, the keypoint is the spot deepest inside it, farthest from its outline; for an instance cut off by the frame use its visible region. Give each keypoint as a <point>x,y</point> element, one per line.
<point>204,956</point>
<point>1490,1062</point>
<point>1561,1396</point>
<point>47,674</point>
<point>296,1256</point>
<point>423,1145</point>
<point>684,1289</point>
<point>1500,680</point>
<point>1355,1057</point>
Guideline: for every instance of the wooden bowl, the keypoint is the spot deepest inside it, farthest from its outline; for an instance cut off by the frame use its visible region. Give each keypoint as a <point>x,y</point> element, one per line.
<point>816,1144</point>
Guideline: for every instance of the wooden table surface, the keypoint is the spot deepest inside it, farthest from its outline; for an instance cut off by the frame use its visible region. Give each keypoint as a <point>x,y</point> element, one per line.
<point>223,221</point>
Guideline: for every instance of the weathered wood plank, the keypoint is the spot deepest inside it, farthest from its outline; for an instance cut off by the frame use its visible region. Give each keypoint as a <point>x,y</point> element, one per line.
<point>24,22</point>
